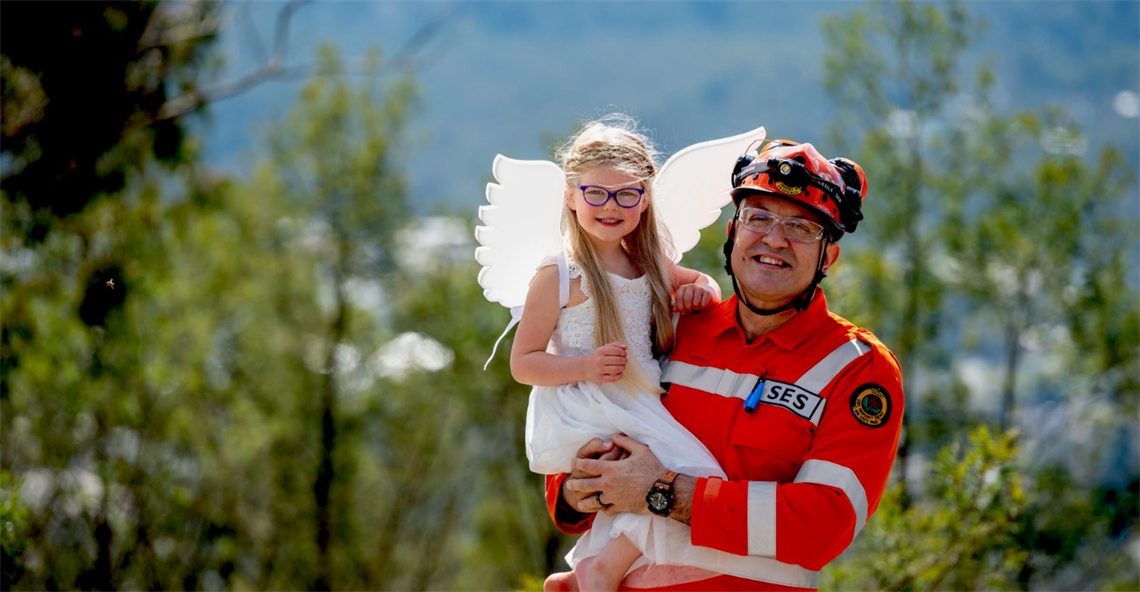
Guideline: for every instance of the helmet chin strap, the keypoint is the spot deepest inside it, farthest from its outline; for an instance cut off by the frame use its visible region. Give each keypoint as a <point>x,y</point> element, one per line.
<point>799,303</point>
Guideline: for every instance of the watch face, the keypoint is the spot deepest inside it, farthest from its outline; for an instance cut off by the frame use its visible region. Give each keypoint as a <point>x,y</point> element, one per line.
<point>657,500</point>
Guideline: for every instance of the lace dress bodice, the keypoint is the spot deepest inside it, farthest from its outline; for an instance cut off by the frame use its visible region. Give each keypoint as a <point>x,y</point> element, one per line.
<point>574,334</point>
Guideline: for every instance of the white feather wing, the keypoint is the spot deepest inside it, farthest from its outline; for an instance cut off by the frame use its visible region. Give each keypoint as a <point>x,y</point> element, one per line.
<point>694,184</point>
<point>521,226</point>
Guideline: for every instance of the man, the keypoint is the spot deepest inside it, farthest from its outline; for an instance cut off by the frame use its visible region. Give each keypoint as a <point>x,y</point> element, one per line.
<point>802,409</point>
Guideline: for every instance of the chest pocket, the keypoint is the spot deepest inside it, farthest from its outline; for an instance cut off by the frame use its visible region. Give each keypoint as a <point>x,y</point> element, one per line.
<point>772,437</point>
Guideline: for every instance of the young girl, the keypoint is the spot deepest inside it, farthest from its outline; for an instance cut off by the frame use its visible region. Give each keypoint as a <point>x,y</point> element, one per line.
<point>592,363</point>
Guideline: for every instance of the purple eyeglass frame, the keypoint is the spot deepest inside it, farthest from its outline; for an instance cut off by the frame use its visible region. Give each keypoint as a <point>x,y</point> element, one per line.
<point>612,195</point>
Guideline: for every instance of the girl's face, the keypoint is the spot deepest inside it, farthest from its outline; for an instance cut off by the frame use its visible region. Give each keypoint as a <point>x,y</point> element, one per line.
<point>607,223</point>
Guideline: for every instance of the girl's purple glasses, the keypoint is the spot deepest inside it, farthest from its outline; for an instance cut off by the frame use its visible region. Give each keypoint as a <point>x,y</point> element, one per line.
<point>627,197</point>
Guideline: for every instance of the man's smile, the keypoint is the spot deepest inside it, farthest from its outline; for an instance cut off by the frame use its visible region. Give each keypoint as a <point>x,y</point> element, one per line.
<point>610,221</point>
<point>770,260</point>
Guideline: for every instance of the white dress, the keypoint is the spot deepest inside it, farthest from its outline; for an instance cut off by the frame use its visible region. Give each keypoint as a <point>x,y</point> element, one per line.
<point>561,419</point>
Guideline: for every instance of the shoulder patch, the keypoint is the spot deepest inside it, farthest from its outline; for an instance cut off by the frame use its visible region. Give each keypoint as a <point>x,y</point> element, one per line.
<point>871,405</point>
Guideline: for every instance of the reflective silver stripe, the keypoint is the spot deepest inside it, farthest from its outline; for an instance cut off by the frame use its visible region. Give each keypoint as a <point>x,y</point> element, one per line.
<point>727,383</point>
<point>837,476</point>
<point>762,518</point>
<point>828,368</point>
<point>820,375</point>
<point>763,569</point>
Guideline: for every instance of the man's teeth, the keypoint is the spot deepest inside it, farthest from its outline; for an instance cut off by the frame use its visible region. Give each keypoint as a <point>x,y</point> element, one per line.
<point>771,261</point>
<point>610,220</point>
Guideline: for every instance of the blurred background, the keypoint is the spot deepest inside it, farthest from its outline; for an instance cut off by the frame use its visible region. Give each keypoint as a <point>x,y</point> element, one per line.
<point>242,336</point>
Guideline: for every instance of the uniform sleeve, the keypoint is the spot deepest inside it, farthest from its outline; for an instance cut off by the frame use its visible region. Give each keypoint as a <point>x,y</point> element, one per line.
<point>813,519</point>
<point>567,519</point>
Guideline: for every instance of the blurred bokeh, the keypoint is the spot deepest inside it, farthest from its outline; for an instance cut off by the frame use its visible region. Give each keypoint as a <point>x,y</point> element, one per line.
<point>242,339</point>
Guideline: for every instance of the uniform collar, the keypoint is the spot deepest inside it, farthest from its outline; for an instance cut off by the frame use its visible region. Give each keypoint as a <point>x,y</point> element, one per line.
<point>786,336</point>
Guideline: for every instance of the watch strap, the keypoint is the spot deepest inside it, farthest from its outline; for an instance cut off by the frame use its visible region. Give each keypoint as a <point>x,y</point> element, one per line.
<point>666,480</point>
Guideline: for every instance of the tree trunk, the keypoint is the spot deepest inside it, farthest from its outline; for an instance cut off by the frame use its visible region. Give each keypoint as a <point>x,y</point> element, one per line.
<point>912,319</point>
<point>322,489</point>
<point>1013,352</point>
<point>1012,348</point>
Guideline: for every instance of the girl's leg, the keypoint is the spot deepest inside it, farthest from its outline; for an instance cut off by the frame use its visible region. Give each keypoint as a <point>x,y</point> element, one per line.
<point>603,571</point>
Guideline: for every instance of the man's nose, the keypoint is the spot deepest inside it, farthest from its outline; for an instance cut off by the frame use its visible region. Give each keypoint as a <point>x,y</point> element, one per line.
<point>775,237</point>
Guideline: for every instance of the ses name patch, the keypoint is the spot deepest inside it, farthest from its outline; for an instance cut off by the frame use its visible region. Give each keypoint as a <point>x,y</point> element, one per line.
<point>871,405</point>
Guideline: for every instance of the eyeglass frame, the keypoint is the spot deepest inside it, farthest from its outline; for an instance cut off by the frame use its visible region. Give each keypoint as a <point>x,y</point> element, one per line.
<point>780,220</point>
<point>612,195</point>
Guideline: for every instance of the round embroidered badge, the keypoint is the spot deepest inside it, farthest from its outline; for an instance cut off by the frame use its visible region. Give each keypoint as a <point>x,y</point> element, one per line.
<point>871,405</point>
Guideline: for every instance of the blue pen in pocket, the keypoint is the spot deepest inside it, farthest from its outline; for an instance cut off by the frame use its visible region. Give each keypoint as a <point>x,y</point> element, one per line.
<point>754,397</point>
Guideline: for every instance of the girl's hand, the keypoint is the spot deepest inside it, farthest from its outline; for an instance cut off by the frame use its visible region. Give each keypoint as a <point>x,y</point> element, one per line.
<point>605,364</point>
<point>691,297</point>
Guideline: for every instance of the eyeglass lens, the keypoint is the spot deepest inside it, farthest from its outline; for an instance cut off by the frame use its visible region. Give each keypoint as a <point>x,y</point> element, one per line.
<point>796,229</point>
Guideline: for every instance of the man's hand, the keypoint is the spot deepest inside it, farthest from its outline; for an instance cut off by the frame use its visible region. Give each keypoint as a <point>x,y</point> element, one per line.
<point>691,297</point>
<point>596,449</point>
<point>622,483</point>
<point>605,364</point>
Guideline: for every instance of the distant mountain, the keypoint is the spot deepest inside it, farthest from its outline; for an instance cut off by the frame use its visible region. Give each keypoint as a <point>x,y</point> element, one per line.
<point>510,75</point>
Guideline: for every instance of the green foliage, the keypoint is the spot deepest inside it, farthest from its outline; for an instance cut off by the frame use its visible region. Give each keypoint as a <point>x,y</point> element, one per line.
<point>123,62</point>
<point>961,536</point>
<point>1057,226</point>
<point>13,531</point>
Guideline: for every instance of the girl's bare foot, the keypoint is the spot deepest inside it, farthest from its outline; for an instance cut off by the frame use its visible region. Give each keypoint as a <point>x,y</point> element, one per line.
<point>561,582</point>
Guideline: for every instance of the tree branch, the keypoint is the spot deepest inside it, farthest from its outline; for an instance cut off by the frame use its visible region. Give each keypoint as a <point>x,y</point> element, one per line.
<point>406,60</point>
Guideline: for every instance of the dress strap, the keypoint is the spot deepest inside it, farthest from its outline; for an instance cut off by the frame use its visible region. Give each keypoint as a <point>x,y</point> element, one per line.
<point>563,280</point>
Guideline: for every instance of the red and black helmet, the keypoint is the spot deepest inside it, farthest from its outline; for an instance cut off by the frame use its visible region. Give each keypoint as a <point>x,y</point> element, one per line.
<point>834,188</point>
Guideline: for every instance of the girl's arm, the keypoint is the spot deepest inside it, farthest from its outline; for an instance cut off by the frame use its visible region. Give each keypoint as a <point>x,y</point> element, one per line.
<point>692,290</point>
<point>530,364</point>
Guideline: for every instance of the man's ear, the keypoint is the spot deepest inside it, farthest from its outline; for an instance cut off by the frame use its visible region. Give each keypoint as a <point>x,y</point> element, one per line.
<point>832,255</point>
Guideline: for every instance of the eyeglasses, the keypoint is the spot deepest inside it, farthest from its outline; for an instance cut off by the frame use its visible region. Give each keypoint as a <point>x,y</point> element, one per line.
<point>627,197</point>
<point>795,229</point>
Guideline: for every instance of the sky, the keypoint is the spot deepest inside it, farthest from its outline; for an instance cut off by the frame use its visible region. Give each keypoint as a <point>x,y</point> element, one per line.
<point>515,78</point>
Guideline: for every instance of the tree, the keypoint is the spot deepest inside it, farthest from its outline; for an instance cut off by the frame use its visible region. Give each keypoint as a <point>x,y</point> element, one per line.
<point>1047,225</point>
<point>891,69</point>
<point>115,60</point>
<point>336,159</point>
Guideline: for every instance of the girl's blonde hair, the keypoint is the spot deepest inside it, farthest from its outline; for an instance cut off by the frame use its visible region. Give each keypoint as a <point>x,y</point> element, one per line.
<point>614,142</point>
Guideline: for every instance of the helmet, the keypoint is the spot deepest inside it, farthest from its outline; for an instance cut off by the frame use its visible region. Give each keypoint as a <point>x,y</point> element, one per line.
<point>834,189</point>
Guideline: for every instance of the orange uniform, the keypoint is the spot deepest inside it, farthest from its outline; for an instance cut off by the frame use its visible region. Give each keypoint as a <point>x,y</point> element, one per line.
<point>808,466</point>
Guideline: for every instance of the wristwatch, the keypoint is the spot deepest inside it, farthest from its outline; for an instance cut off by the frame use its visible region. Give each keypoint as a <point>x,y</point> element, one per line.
<point>660,496</point>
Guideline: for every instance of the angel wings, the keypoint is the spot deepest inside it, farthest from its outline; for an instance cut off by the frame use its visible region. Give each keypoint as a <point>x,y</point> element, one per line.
<point>522,220</point>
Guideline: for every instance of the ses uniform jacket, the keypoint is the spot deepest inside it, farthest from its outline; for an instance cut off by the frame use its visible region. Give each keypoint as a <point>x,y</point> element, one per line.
<point>807,467</point>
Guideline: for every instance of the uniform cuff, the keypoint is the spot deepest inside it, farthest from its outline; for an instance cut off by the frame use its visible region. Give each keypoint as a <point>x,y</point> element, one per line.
<point>567,519</point>
<point>718,515</point>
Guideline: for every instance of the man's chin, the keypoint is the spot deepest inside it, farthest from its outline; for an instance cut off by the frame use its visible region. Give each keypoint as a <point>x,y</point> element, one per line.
<point>769,300</point>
